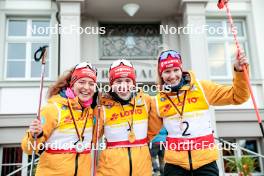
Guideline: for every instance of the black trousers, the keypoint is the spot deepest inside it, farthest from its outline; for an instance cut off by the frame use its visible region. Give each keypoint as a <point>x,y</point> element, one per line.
<point>210,169</point>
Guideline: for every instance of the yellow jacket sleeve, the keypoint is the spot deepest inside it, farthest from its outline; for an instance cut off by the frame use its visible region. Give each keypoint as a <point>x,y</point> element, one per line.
<point>154,121</point>
<point>49,119</point>
<point>235,94</point>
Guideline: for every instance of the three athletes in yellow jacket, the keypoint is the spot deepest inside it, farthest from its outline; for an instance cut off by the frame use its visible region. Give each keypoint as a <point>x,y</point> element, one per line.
<point>129,119</point>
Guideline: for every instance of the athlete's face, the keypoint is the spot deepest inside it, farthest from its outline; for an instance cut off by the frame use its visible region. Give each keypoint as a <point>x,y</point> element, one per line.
<point>123,87</point>
<point>84,88</point>
<point>172,76</point>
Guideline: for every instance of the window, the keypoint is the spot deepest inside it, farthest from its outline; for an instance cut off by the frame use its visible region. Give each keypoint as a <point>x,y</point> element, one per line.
<point>23,38</point>
<point>221,47</point>
<point>131,41</point>
<point>11,160</point>
<point>230,154</point>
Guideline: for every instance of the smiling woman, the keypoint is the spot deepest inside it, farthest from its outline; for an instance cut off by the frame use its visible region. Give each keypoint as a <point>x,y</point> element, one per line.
<point>184,112</point>
<point>84,89</point>
<point>124,123</point>
<point>66,125</point>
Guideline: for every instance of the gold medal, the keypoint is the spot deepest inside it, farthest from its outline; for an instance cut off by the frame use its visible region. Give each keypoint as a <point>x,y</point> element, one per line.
<point>181,125</point>
<point>79,145</point>
<point>131,136</point>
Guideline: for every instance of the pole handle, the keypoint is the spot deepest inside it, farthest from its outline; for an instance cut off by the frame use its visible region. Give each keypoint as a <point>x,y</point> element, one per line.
<point>42,56</point>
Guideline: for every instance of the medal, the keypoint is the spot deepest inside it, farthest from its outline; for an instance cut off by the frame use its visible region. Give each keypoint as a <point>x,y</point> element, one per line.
<point>177,109</point>
<point>79,146</point>
<point>131,136</point>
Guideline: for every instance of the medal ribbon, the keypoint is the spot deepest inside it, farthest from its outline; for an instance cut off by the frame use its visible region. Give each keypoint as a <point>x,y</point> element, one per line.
<point>175,106</point>
<point>130,124</point>
<point>80,136</point>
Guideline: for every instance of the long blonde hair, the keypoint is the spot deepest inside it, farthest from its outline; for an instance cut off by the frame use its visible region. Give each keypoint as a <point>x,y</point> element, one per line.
<point>62,82</point>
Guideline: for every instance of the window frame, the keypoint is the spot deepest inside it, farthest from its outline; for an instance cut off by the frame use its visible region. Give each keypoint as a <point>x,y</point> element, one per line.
<point>28,40</point>
<point>24,157</point>
<point>227,40</point>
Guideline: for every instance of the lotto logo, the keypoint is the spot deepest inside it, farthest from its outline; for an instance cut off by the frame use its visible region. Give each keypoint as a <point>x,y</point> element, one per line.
<point>125,114</point>
<point>167,107</point>
<point>68,119</point>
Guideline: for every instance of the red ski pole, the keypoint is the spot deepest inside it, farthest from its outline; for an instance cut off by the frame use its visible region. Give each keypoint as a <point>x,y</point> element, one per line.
<point>42,57</point>
<point>221,4</point>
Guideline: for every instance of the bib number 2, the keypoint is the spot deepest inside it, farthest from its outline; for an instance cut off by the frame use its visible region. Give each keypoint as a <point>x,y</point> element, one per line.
<point>185,127</point>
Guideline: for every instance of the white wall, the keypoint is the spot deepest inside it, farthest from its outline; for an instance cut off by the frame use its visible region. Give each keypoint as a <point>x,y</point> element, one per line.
<point>257,13</point>
<point>20,100</point>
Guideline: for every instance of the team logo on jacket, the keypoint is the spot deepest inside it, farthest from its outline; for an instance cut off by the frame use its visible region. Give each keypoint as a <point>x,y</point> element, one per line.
<point>114,116</point>
<point>125,114</point>
<point>64,107</point>
<point>167,107</point>
<point>139,101</point>
<point>194,88</point>
<point>43,120</point>
<point>162,99</point>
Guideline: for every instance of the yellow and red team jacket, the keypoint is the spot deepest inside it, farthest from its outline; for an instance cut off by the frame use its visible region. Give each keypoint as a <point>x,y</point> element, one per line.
<point>59,136</point>
<point>120,156</point>
<point>194,132</point>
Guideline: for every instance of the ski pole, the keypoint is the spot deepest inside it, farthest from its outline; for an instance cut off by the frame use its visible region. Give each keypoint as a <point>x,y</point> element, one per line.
<point>220,5</point>
<point>42,57</point>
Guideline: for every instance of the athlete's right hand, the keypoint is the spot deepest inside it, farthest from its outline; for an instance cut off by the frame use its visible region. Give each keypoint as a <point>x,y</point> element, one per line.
<point>35,127</point>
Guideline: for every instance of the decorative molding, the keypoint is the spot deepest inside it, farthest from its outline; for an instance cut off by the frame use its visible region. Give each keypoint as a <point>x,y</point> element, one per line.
<point>130,41</point>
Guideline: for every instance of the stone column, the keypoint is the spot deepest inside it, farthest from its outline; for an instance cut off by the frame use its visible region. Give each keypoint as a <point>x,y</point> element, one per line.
<point>195,45</point>
<point>70,37</point>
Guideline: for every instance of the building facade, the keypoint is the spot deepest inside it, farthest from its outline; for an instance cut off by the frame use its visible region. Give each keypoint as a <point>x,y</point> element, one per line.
<point>195,28</point>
